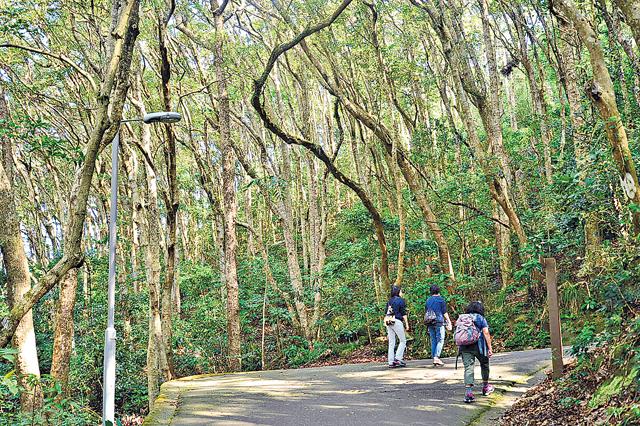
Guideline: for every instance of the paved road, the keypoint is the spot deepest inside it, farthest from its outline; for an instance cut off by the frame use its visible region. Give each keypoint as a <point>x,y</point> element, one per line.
<point>361,394</point>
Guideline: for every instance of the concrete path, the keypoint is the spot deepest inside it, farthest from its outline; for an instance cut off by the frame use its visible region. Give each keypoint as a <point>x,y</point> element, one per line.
<point>360,394</point>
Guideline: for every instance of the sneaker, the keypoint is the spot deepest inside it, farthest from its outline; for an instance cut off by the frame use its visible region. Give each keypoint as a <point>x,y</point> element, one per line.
<point>438,362</point>
<point>394,364</point>
<point>487,389</point>
<point>400,363</point>
<point>468,397</point>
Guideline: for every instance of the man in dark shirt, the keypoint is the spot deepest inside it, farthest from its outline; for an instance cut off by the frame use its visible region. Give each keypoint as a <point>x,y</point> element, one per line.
<point>438,305</point>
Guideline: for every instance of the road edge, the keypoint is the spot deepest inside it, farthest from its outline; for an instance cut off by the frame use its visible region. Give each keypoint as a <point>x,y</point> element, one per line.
<point>168,400</point>
<point>165,406</point>
<point>505,397</point>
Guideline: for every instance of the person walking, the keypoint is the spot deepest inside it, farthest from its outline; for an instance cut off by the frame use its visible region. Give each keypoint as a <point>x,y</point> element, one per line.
<point>436,317</point>
<point>396,322</point>
<point>474,342</point>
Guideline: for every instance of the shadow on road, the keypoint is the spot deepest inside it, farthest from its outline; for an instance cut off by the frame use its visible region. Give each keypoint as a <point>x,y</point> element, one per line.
<point>363,394</point>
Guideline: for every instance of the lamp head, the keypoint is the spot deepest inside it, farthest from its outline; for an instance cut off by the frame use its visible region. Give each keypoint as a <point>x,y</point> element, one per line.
<point>162,117</point>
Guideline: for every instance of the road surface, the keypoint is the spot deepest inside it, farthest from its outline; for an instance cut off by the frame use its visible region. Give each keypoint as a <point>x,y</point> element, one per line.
<point>354,394</point>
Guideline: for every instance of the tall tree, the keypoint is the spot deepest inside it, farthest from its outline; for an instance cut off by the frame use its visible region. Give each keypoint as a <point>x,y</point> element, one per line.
<point>171,200</point>
<point>568,62</point>
<point>18,275</point>
<point>158,369</point>
<point>603,96</point>
<point>110,100</point>
<point>317,150</point>
<point>485,98</point>
<point>230,203</point>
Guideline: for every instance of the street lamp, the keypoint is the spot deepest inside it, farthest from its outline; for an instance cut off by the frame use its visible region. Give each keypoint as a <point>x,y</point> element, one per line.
<point>109,373</point>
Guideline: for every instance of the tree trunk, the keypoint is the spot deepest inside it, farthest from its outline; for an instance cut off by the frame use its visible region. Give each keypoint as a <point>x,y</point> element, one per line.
<point>229,198</point>
<point>578,130</point>
<point>613,23</point>
<point>612,38</point>
<point>18,278</point>
<point>157,364</point>
<point>631,11</point>
<point>171,197</point>
<point>537,98</point>
<point>510,91</point>
<point>402,241</point>
<point>314,229</point>
<point>266,266</point>
<point>503,245</point>
<point>63,333</point>
<point>288,230</point>
<point>135,220</point>
<point>603,96</point>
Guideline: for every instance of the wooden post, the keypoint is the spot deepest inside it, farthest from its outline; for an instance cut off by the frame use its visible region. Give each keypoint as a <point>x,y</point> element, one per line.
<point>264,321</point>
<point>554,316</point>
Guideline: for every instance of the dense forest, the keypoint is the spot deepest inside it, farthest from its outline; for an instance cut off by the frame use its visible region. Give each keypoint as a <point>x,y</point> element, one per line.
<point>327,151</point>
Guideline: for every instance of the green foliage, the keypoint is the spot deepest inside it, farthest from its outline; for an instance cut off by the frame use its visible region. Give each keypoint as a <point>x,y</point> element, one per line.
<point>526,333</point>
<point>4,308</point>
<point>55,410</point>
<point>8,384</point>
<point>584,340</point>
<point>624,416</point>
<point>568,402</point>
<point>298,352</point>
<point>14,19</point>
<point>37,139</point>
<point>615,386</point>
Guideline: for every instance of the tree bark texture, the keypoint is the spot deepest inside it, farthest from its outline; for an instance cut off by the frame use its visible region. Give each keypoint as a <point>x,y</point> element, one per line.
<point>171,196</point>
<point>229,200</point>
<point>64,329</point>
<point>631,11</point>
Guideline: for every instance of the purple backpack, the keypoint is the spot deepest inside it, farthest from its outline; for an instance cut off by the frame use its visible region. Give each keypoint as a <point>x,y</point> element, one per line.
<point>467,333</point>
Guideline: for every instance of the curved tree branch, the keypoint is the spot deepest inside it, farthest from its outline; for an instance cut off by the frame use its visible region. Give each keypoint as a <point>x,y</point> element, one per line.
<point>257,102</point>
<point>60,57</point>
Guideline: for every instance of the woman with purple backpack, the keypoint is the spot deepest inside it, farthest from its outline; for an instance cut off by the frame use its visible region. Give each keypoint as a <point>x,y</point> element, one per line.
<point>474,342</point>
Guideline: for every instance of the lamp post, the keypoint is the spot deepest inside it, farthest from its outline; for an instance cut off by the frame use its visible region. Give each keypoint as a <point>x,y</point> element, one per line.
<point>109,372</point>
